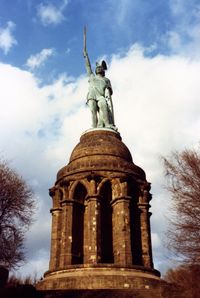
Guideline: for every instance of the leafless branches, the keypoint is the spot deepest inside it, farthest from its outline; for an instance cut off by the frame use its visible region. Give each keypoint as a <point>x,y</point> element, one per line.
<point>183,175</point>
<point>16,210</point>
<point>187,280</point>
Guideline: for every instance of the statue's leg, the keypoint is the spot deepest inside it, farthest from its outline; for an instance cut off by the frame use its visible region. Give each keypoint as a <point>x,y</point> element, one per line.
<point>100,121</point>
<point>93,107</point>
<point>103,112</point>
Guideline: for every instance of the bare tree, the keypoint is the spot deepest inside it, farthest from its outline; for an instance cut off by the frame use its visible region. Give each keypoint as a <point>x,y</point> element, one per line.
<point>183,173</point>
<point>16,210</point>
<point>187,280</point>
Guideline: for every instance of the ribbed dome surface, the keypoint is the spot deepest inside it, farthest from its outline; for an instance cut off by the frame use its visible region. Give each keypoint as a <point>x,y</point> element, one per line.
<point>101,150</point>
<point>101,142</point>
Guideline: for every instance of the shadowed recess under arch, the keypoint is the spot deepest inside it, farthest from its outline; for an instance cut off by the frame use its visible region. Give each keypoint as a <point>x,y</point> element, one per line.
<point>106,224</point>
<point>80,193</point>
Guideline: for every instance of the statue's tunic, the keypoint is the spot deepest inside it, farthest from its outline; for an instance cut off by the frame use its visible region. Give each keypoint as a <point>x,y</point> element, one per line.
<point>97,87</point>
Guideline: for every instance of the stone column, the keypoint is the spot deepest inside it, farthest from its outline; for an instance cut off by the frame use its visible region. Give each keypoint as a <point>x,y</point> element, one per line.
<point>121,231</point>
<point>66,235</point>
<point>56,229</point>
<point>66,232</point>
<point>144,206</point>
<point>92,253</point>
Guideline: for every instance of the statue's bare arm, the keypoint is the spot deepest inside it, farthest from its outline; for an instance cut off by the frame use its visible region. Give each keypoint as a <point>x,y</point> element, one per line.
<point>87,64</point>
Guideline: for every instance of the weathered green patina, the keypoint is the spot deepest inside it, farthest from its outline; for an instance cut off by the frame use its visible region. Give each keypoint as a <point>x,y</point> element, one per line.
<point>99,94</point>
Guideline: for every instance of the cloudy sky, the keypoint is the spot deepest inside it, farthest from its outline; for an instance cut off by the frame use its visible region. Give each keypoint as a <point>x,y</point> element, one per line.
<point>153,53</point>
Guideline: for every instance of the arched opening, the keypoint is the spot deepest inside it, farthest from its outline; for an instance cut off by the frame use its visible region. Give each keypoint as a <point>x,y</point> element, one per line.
<point>106,224</point>
<point>135,225</point>
<point>78,224</point>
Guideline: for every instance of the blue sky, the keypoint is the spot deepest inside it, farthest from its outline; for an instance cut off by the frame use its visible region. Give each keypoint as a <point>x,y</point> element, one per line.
<point>113,26</point>
<point>153,54</point>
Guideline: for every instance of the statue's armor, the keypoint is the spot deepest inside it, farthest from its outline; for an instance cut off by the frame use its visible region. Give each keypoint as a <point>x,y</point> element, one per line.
<point>97,87</point>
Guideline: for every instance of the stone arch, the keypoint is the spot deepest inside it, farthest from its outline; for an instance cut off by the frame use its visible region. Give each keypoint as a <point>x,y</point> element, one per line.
<point>104,180</point>
<point>74,186</point>
<point>79,195</point>
<point>106,222</point>
<point>64,186</point>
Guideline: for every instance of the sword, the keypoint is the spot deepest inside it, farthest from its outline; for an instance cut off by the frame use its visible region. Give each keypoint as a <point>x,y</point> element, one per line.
<point>84,42</point>
<point>110,104</point>
<point>112,109</point>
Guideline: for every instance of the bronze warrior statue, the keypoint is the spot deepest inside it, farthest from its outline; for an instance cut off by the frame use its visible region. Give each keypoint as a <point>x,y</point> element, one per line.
<point>99,94</point>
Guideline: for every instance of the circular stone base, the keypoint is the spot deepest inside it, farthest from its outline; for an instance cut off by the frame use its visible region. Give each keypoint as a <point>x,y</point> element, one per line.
<point>99,278</point>
<point>101,129</point>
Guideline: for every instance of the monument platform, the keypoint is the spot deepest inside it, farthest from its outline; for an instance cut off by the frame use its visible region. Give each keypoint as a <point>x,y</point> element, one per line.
<point>100,276</point>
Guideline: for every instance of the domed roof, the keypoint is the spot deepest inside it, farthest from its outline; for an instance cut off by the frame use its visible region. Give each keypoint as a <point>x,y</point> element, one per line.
<point>101,150</point>
<point>101,142</point>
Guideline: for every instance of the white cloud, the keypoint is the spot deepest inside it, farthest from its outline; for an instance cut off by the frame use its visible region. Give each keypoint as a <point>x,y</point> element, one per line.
<point>51,14</point>
<point>35,61</point>
<point>157,109</point>
<point>7,40</point>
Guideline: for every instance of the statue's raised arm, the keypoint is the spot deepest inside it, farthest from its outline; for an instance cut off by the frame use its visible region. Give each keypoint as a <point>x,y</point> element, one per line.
<point>85,54</point>
<point>99,97</point>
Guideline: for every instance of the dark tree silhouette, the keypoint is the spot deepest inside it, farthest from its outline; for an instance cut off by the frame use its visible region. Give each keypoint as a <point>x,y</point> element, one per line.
<point>183,172</point>
<point>16,209</point>
<point>187,280</point>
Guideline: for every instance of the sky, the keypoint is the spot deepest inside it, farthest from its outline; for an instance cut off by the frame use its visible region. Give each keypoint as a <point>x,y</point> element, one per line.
<point>152,49</point>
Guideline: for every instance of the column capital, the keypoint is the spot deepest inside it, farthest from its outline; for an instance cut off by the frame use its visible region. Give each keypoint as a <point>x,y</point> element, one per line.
<point>67,202</point>
<point>52,190</point>
<point>52,210</point>
<point>121,199</point>
<point>71,202</point>
<point>144,206</point>
<point>94,197</point>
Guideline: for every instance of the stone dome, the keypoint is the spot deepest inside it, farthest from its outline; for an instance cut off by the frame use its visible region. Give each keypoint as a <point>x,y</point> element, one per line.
<point>101,142</point>
<point>101,150</point>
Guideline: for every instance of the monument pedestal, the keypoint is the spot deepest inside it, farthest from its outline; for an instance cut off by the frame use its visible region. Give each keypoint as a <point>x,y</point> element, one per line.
<point>107,276</point>
<point>101,238</point>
